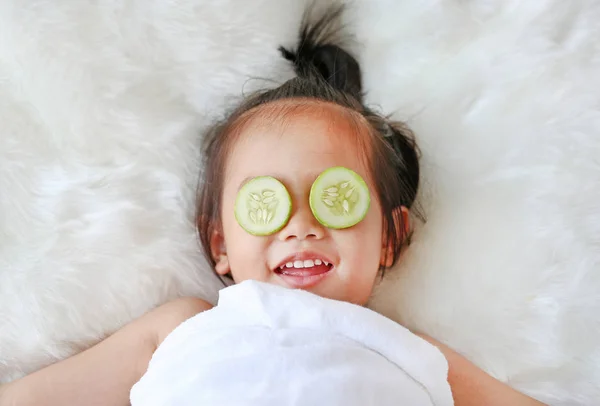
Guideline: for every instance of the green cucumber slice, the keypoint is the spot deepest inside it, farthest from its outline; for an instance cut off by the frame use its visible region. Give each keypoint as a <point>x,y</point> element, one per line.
<point>339,198</point>
<point>263,206</point>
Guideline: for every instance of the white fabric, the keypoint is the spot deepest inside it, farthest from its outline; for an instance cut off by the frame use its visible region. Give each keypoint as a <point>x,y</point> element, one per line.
<point>264,345</point>
<point>102,104</point>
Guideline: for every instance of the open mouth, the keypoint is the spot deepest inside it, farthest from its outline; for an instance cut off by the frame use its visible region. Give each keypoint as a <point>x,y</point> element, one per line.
<point>304,267</point>
<point>304,273</point>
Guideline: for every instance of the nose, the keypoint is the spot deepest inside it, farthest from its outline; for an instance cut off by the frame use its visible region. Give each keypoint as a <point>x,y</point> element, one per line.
<point>302,225</point>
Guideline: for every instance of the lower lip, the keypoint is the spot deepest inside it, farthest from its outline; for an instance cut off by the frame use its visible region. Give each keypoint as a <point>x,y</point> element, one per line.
<point>303,278</point>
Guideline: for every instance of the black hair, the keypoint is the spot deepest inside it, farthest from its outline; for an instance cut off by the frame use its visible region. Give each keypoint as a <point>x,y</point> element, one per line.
<point>327,73</point>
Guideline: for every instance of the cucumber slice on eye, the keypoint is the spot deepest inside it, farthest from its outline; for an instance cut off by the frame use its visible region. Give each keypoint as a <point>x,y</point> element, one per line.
<point>339,198</point>
<point>263,206</point>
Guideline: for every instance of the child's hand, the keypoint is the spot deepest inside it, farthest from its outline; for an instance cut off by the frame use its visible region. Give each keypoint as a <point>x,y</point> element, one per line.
<point>473,387</point>
<point>104,374</point>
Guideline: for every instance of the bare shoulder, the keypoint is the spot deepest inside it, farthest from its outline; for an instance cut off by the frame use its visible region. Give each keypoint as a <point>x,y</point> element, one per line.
<point>189,306</point>
<point>107,371</point>
<point>471,386</point>
<point>164,319</point>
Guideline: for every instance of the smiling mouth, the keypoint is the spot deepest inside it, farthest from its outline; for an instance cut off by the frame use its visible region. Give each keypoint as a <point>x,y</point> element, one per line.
<point>302,267</point>
<point>303,274</point>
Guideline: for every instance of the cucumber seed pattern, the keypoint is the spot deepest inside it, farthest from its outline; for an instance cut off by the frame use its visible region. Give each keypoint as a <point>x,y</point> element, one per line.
<point>340,198</point>
<point>262,206</point>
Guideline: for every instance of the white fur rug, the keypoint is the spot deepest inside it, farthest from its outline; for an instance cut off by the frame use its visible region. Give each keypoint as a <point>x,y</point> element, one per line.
<point>101,111</point>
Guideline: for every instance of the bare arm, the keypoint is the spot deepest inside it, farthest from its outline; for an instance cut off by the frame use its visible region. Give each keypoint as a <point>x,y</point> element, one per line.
<point>473,387</point>
<point>105,373</point>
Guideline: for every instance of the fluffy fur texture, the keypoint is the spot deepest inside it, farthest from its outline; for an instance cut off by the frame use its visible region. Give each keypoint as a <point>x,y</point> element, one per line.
<point>101,111</point>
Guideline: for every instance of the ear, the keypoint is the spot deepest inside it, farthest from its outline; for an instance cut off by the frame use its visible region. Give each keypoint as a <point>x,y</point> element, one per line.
<point>402,229</point>
<point>219,253</point>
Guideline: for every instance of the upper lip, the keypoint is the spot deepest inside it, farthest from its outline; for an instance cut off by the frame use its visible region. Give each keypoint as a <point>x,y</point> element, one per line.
<point>301,256</point>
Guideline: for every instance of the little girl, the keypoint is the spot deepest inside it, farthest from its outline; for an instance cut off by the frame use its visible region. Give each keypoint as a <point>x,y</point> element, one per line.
<point>304,187</point>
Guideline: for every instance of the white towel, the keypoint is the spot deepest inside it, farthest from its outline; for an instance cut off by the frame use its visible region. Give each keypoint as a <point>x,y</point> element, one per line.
<point>266,345</point>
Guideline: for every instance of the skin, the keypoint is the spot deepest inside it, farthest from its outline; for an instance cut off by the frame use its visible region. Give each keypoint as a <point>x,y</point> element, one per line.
<point>295,153</point>
<point>104,374</point>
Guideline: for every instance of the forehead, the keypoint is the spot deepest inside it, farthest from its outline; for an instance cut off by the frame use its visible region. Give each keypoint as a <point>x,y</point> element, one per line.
<point>296,145</point>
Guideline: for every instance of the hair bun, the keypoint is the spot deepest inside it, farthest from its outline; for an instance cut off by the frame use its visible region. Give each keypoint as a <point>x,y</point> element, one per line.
<point>318,54</point>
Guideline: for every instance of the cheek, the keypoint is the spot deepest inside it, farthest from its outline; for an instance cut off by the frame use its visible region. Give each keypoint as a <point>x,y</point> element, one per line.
<point>372,229</point>
<point>246,253</point>
<point>363,243</point>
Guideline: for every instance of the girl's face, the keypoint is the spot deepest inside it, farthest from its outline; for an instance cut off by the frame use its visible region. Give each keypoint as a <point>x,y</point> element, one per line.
<point>295,150</point>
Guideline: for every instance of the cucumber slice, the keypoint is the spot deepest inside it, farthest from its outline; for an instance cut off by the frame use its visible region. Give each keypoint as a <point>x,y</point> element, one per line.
<point>263,206</point>
<point>339,198</point>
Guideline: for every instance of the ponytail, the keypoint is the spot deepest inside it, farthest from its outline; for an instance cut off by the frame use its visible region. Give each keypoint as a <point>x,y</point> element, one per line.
<point>317,56</point>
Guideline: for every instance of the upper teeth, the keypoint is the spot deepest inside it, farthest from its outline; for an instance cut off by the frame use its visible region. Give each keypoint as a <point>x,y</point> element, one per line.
<point>307,263</point>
